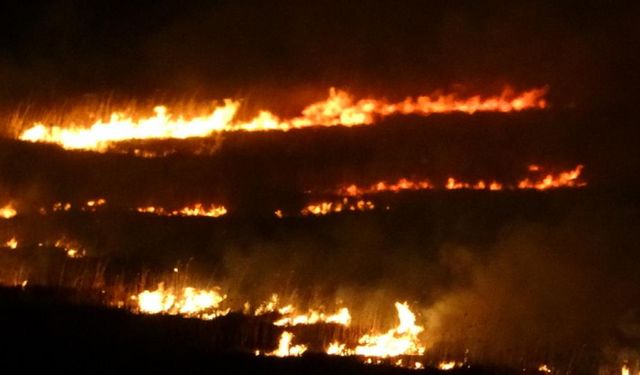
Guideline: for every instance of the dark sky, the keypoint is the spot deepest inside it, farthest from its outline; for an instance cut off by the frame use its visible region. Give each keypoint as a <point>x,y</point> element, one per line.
<point>587,52</point>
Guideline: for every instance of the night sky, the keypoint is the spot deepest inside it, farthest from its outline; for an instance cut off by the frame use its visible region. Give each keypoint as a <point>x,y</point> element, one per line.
<point>277,51</point>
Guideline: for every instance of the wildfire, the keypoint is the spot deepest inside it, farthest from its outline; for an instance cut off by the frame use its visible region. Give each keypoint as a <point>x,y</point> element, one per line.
<point>342,317</point>
<point>285,349</point>
<point>8,211</point>
<point>401,340</point>
<point>340,108</point>
<point>195,210</point>
<point>564,179</point>
<point>11,244</point>
<point>190,302</point>
<point>324,208</point>
<point>550,181</point>
<point>71,248</point>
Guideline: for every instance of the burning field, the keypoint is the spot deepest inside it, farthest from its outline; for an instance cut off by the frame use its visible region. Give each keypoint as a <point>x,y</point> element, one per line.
<point>372,225</point>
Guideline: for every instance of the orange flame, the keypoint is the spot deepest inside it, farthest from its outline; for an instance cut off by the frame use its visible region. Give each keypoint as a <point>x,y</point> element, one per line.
<point>340,108</point>
<point>7,212</point>
<point>197,209</point>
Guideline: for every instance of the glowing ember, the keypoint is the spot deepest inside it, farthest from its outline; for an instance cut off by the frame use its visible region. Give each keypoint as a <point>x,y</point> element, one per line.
<point>402,340</point>
<point>448,365</point>
<point>544,368</point>
<point>71,248</point>
<point>285,349</point>
<point>7,212</point>
<point>92,205</point>
<point>12,243</point>
<point>190,302</point>
<point>324,208</point>
<point>195,210</point>
<point>339,109</point>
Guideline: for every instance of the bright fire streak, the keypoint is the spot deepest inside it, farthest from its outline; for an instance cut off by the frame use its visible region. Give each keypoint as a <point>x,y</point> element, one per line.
<point>447,365</point>
<point>564,179</point>
<point>324,208</point>
<point>402,340</point>
<point>195,210</point>
<point>340,108</point>
<point>285,349</point>
<point>12,243</point>
<point>624,370</point>
<point>7,212</point>
<point>342,317</point>
<point>192,302</point>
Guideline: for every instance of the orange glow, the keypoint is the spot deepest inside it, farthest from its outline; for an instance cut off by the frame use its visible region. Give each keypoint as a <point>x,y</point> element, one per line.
<point>340,108</point>
<point>194,210</point>
<point>550,181</point>
<point>285,349</point>
<point>191,302</point>
<point>12,243</point>
<point>564,179</point>
<point>402,340</point>
<point>324,208</point>
<point>7,212</point>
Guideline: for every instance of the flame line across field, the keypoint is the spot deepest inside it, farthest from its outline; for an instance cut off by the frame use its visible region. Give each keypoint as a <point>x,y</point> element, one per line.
<point>339,109</point>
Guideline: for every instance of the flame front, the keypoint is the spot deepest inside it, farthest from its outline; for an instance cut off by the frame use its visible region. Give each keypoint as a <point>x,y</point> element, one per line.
<point>190,302</point>
<point>401,340</point>
<point>8,211</point>
<point>285,349</point>
<point>197,209</point>
<point>340,108</point>
<point>564,179</point>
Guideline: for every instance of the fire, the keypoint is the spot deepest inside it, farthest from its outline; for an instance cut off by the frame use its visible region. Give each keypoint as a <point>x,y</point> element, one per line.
<point>324,208</point>
<point>545,368</point>
<point>12,243</point>
<point>71,248</point>
<point>290,317</point>
<point>8,211</point>
<point>550,181</point>
<point>92,205</point>
<point>197,209</point>
<point>564,179</point>
<point>285,349</point>
<point>624,370</point>
<point>342,317</point>
<point>190,302</point>
<point>340,108</point>
<point>448,365</point>
<point>401,340</point>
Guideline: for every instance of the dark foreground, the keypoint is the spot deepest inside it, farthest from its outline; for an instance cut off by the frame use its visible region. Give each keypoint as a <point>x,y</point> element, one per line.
<point>42,327</point>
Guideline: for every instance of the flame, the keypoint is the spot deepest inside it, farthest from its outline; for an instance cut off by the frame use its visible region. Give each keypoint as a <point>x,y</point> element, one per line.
<point>190,302</point>
<point>12,243</point>
<point>402,340</point>
<point>59,206</point>
<point>324,208</point>
<point>624,370</point>
<point>342,317</point>
<point>448,365</point>
<point>564,179</point>
<point>544,368</point>
<point>285,349</point>
<point>340,108</point>
<point>71,248</point>
<point>7,212</point>
<point>550,181</point>
<point>197,209</point>
<point>92,205</point>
